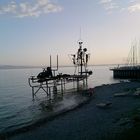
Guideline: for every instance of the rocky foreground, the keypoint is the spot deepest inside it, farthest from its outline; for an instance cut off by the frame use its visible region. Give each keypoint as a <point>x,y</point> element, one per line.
<point>113,113</point>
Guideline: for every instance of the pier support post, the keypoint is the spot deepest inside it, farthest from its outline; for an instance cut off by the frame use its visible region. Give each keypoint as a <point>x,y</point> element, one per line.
<point>61,86</point>
<point>33,93</point>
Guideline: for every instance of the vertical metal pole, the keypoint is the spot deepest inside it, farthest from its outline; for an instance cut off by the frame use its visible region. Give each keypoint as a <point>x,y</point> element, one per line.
<point>57,62</point>
<point>77,84</point>
<point>136,57</point>
<point>54,87</point>
<point>33,92</point>
<point>139,52</point>
<point>47,87</point>
<point>50,61</point>
<point>64,85</point>
<point>49,92</point>
<point>86,82</point>
<point>133,54</point>
<point>61,87</point>
<point>81,57</point>
<point>73,83</point>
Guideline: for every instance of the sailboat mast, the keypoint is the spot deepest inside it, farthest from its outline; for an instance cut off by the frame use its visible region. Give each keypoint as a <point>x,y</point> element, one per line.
<point>139,52</point>
<point>133,56</point>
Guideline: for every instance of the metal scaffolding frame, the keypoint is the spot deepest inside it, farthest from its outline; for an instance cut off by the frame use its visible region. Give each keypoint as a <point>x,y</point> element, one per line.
<point>49,82</point>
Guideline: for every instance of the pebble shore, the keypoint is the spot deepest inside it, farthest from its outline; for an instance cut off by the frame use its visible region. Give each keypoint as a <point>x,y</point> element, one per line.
<point>119,120</point>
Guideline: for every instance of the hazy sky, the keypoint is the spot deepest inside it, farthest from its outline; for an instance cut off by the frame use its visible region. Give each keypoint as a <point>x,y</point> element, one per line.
<point>31,30</point>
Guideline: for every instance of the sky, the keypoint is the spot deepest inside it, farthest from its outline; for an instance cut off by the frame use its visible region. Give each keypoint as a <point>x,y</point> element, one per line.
<point>32,30</point>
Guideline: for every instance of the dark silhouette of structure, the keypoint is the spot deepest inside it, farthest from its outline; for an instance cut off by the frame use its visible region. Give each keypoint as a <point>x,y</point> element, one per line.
<point>49,82</point>
<point>131,70</point>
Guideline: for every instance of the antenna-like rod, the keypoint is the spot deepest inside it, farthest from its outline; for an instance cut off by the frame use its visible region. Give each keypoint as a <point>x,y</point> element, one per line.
<point>57,61</point>
<point>81,57</point>
<point>50,61</point>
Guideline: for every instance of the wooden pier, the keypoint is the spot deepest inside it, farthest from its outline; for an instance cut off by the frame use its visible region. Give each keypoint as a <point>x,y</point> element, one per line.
<point>127,72</point>
<point>131,70</point>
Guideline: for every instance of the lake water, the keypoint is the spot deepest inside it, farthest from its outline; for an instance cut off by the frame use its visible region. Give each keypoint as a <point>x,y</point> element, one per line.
<point>17,109</point>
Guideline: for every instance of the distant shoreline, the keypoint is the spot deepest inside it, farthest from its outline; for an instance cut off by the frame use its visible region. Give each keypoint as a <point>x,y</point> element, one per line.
<point>17,67</point>
<point>5,67</point>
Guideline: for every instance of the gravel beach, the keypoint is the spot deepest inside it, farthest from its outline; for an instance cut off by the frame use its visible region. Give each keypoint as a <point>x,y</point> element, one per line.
<point>120,119</point>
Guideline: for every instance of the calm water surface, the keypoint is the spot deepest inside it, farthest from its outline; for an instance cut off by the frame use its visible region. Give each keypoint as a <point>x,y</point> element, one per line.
<point>16,106</point>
